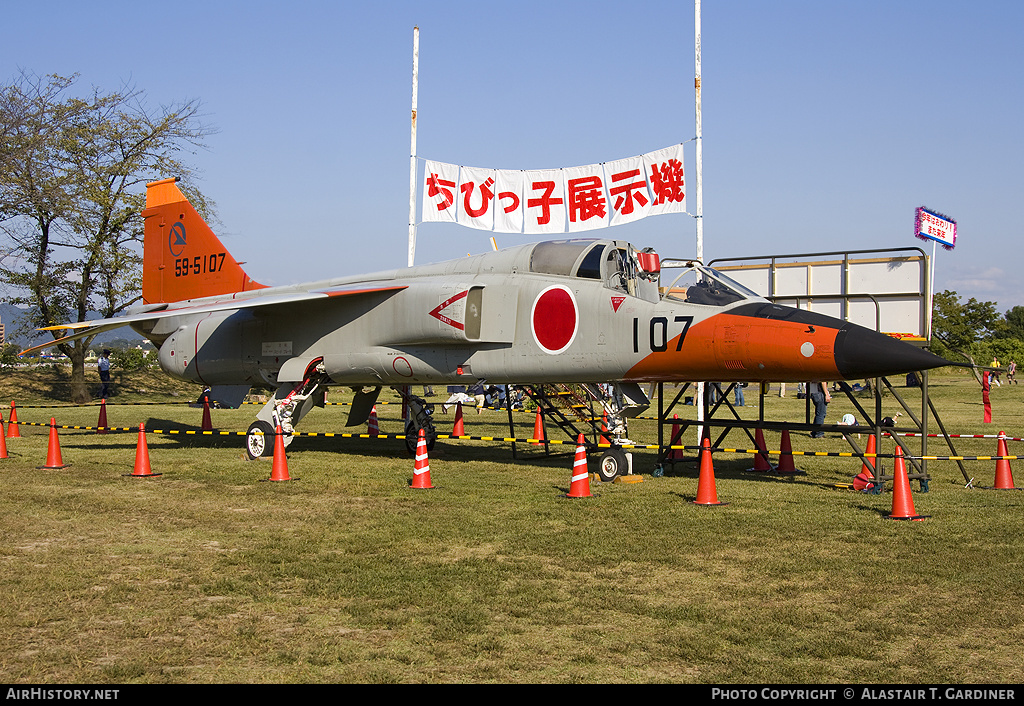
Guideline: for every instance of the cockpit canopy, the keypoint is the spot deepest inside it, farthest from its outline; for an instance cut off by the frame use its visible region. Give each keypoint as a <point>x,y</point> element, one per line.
<point>697,284</point>
<point>618,264</point>
<point>637,272</point>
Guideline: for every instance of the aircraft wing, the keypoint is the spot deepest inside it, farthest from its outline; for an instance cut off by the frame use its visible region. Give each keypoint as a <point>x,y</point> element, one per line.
<point>82,329</point>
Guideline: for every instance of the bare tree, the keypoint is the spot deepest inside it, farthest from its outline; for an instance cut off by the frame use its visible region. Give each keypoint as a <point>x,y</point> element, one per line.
<point>72,182</point>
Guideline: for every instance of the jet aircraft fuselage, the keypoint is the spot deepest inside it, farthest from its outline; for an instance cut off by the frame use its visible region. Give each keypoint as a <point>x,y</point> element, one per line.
<point>564,311</point>
<point>567,311</point>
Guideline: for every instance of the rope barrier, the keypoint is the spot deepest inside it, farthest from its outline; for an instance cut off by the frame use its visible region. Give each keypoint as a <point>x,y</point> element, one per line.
<point>957,436</point>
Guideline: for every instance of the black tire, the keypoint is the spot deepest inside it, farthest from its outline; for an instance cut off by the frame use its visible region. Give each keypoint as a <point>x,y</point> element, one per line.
<point>412,437</point>
<point>613,463</point>
<point>259,444</point>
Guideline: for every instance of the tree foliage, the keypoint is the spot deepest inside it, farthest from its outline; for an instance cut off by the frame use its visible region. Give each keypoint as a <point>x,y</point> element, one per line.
<point>128,358</point>
<point>974,329</point>
<point>1013,323</point>
<point>73,168</point>
<point>9,355</point>
<point>961,324</point>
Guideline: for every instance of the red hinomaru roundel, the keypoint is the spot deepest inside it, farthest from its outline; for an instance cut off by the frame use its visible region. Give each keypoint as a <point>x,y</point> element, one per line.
<point>555,319</point>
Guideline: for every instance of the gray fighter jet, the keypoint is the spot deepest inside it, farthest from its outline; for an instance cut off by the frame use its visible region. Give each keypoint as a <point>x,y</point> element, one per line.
<point>592,311</point>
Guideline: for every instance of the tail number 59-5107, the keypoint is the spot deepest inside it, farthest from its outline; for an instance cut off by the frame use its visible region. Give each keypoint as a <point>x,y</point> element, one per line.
<point>200,264</point>
<point>659,333</point>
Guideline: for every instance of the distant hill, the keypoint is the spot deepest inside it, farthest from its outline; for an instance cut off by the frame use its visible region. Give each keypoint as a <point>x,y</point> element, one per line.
<point>13,318</point>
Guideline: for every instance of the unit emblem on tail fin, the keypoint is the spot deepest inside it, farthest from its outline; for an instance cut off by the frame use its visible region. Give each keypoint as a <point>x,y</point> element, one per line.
<point>176,239</point>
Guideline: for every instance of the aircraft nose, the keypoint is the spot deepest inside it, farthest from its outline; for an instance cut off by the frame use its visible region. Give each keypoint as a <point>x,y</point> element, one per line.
<point>863,353</point>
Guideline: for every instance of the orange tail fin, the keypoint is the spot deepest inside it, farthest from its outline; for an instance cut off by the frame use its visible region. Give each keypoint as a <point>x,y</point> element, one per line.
<point>182,258</point>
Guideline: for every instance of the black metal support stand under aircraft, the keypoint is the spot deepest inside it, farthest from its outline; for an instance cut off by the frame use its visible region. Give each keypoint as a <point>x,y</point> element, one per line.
<point>871,422</point>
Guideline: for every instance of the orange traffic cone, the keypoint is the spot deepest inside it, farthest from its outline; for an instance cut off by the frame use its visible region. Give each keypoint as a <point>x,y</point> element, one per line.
<point>207,422</point>
<point>786,455</point>
<point>865,480</point>
<point>142,468</point>
<point>579,486</point>
<point>706,494</point>
<point>53,458</point>
<point>13,431</point>
<point>279,471</point>
<point>1004,476</point>
<point>101,425</point>
<point>3,439</point>
<point>864,468</point>
<point>538,428</point>
<point>761,463</point>
<point>902,501</point>
<point>604,429</point>
<point>421,469</point>
<point>677,439</point>
<point>460,426</point>
<point>373,425</point>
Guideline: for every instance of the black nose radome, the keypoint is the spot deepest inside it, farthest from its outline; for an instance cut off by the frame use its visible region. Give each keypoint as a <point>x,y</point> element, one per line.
<point>863,353</point>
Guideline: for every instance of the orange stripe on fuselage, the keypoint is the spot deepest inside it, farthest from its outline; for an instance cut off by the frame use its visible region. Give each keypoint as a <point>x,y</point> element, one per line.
<point>727,347</point>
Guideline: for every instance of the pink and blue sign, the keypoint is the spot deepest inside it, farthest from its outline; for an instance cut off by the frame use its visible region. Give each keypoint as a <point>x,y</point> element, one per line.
<point>931,225</point>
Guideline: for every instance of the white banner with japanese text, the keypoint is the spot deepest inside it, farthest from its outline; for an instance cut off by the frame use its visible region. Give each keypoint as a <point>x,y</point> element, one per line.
<point>508,216</point>
<point>556,200</point>
<point>439,195</point>
<point>627,187</point>
<point>664,170</point>
<point>588,207</point>
<point>476,188</point>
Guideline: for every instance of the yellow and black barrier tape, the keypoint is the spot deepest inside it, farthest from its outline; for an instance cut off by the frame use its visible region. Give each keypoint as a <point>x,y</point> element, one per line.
<point>97,405</point>
<point>518,440</point>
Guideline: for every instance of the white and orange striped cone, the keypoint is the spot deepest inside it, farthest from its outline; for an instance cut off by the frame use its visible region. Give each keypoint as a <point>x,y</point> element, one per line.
<point>373,424</point>
<point>579,487</point>
<point>459,429</point>
<point>761,463</point>
<point>142,468</point>
<point>53,456</point>
<point>3,439</point>
<point>1004,476</point>
<point>279,471</point>
<point>421,468</point>
<point>902,499</point>
<point>706,492</point>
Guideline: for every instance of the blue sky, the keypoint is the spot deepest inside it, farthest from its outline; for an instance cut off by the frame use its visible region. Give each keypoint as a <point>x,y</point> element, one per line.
<point>825,124</point>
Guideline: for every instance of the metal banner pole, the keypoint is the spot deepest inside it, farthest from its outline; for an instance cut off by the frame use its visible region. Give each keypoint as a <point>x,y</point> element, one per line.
<point>412,158</point>
<point>700,192</point>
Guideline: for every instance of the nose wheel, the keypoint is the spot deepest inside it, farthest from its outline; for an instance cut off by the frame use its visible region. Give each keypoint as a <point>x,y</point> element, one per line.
<point>613,463</point>
<point>412,434</point>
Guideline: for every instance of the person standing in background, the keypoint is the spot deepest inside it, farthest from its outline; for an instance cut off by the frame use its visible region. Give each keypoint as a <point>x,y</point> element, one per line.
<point>820,397</point>
<point>104,367</point>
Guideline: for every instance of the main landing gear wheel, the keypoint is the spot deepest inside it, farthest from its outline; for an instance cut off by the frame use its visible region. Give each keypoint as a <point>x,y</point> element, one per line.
<point>259,440</point>
<point>613,463</point>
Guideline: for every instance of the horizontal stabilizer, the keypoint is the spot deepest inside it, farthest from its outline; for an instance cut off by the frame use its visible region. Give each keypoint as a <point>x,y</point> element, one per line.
<point>82,329</point>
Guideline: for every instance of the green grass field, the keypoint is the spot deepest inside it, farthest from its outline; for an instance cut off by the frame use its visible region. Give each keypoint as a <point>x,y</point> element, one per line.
<point>207,573</point>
